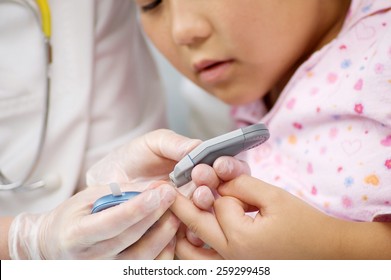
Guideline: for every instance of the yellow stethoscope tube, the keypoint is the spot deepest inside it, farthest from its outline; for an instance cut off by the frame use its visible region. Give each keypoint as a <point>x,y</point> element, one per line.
<point>5,182</point>
<point>46,25</point>
<point>45,17</point>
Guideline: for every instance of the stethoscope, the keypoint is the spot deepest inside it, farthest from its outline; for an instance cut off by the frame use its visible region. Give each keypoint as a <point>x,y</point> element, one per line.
<point>45,23</point>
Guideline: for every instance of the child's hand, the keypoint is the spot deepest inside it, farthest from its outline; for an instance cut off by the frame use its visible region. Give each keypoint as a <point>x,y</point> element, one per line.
<point>284,228</point>
<point>207,179</point>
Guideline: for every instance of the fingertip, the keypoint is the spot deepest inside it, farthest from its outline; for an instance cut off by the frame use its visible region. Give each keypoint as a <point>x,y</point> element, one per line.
<point>204,174</point>
<point>223,165</point>
<point>163,195</point>
<point>152,200</point>
<point>228,168</point>
<point>168,193</point>
<point>203,198</point>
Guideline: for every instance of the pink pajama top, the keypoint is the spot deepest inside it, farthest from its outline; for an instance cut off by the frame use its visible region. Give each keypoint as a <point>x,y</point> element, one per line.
<point>330,129</point>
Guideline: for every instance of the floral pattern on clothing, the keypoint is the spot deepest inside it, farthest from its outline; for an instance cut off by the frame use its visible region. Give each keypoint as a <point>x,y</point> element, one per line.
<point>330,129</point>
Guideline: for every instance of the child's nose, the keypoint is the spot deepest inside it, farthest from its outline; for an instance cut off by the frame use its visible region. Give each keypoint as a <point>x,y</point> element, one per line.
<point>189,26</point>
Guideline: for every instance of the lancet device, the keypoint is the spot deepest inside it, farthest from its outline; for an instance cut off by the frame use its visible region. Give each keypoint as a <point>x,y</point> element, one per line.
<point>229,144</point>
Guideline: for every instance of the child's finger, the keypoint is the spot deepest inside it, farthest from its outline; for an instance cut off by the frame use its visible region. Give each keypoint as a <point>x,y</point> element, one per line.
<point>205,175</point>
<point>228,168</point>
<point>203,198</point>
<point>250,191</point>
<point>232,217</point>
<point>187,251</point>
<point>202,223</point>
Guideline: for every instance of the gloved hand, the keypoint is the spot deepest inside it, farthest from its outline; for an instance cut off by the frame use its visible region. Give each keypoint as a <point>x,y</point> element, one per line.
<point>71,232</point>
<point>145,159</point>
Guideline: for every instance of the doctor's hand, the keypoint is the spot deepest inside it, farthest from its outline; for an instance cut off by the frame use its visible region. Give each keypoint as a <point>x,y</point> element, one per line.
<point>284,227</point>
<point>71,232</point>
<point>144,159</point>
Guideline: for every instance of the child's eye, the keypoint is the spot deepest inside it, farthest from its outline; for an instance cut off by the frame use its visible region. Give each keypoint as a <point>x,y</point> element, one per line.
<point>151,6</point>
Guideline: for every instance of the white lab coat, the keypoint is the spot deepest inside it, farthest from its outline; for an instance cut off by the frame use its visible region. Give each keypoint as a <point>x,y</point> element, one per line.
<point>105,91</point>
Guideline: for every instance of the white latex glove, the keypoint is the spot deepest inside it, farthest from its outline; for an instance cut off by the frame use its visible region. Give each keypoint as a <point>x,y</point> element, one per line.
<point>71,232</point>
<point>147,158</point>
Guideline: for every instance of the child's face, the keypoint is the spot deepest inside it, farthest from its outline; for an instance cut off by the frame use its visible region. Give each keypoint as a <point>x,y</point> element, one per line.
<point>238,50</point>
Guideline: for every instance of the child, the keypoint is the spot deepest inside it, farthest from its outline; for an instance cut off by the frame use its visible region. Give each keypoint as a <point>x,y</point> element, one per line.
<point>318,73</point>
